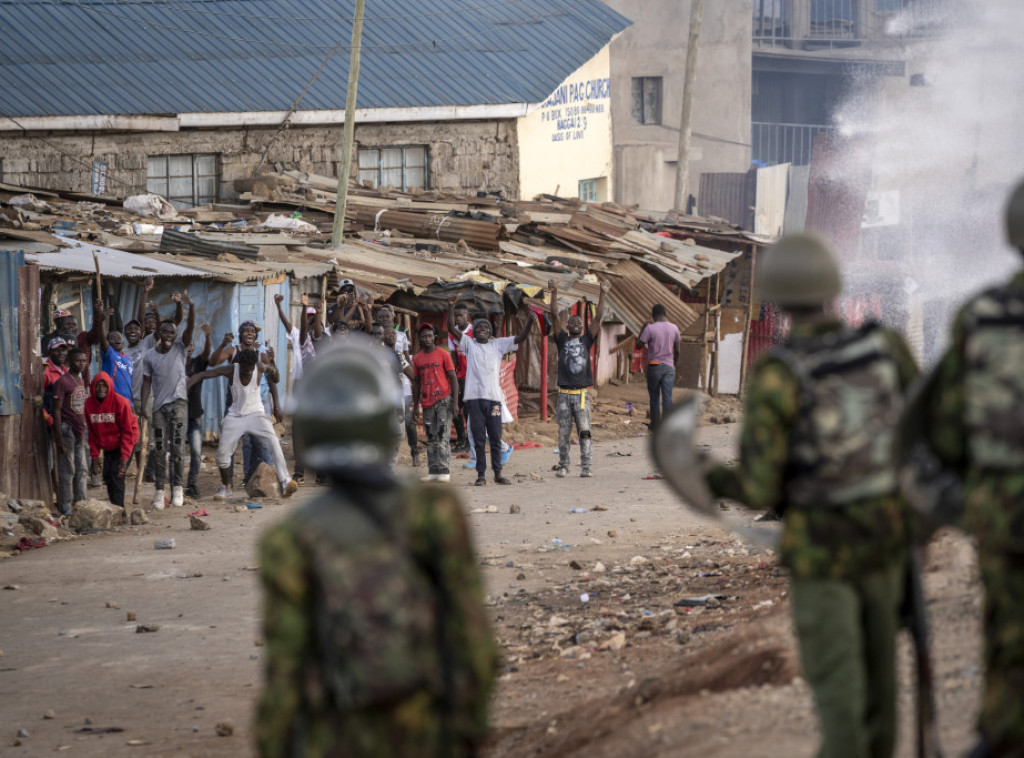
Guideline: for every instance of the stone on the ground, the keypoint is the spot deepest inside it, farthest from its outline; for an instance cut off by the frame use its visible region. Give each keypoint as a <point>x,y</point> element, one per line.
<point>197,523</point>
<point>40,527</point>
<point>138,517</point>
<point>224,729</point>
<point>263,483</point>
<point>94,514</point>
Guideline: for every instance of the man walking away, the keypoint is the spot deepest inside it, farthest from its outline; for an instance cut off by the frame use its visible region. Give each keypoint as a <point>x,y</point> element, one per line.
<point>112,431</point>
<point>483,388</point>
<point>575,377</point>
<point>69,394</point>
<point>817,447</point>
<point>163,373</point>
<point>378,643</point>
<point>661,338</point>
<point>435,389</point>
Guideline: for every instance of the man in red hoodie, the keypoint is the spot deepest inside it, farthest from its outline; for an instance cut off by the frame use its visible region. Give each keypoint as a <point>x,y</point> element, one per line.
<point>112,429</point>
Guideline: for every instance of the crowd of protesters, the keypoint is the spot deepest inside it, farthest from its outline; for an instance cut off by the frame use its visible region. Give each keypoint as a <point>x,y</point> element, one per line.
<point>145,404</point>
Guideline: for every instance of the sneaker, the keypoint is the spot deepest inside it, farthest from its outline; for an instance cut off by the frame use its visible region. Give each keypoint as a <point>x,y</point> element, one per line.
<point>562,472</point>
<point>289,488</point>
<point>442,477</point>
<point>429,478</point>
<point>177,496</point>
<point>461,446</point>
<point>158,500</point>
<point>224,493</point>
<point>506,454</point>
<point>299,479</point>
<point>586,473</point>
<point>502,480</point>
<point>94,481</point>
<point>192,492</point>
<point>471,464</point>
<point>480,481</point>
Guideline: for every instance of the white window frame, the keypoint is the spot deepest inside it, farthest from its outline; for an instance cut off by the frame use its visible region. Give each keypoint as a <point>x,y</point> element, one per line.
<point>371,166</point>
<point>159,182</point>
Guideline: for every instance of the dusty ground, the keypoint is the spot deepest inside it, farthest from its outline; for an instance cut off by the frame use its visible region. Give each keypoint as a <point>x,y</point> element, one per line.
<point>624,673</point>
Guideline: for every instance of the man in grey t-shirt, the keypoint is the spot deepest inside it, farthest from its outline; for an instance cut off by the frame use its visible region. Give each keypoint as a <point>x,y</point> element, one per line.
<point>163,373</point>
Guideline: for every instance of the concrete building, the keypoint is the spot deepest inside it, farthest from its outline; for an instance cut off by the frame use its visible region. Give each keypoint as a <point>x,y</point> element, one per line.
<point>648,63</point>
<point>149,97</point>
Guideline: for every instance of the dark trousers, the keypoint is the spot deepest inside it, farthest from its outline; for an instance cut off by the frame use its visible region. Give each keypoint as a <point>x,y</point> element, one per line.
<point>115,483</point>
<point>410,425</point>
<point>195,450</point>
<point>485,421</point>
<point>660,380</point>
<point>457,414</point>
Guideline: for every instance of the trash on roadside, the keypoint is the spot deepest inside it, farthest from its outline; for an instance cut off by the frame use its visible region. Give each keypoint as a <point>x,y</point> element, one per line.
<point>691,602</point>
<point>165,544</point>
<point>253,506</point>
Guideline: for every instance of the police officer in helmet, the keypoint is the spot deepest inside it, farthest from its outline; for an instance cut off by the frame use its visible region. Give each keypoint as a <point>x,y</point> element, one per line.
<point>973,414</point>
<point>816,448</point>
<point>377,641</point>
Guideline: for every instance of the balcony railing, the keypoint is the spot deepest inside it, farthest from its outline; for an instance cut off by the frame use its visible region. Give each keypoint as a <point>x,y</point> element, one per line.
<point>816,24</point>
<point>772,143</point>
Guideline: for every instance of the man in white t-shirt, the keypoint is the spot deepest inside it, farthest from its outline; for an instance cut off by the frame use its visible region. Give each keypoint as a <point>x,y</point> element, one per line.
<point>483,396</point>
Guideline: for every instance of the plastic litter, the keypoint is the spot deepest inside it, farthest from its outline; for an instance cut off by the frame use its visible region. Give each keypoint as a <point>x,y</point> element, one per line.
<point>577,510</point>
<point>253,506</point>
<point>166,544</point>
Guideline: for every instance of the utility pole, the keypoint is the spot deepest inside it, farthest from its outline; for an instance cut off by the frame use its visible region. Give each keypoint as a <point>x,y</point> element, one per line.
<point>345,169</point>
<point>686,119</point>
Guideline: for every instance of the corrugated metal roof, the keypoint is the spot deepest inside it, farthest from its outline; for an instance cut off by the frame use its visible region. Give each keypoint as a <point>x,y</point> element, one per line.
<point>228,271</point>
<point>87,57</point>
<point>687,264</point>
<point>78,257</point>
<point>635,292</point>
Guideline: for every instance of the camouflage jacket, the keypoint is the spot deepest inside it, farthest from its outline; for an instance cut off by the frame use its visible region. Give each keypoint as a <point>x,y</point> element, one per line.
<point>994,496</point>
<point>420,686</point>
<point>817,542</point>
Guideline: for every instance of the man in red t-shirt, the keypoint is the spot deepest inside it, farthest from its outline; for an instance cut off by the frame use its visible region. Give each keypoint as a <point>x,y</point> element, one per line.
<point>435,389</point>
<point>69,394</point>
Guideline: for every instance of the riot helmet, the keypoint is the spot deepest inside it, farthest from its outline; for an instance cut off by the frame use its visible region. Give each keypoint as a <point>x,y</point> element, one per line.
<point>345,422</point>
<point>798,270</point>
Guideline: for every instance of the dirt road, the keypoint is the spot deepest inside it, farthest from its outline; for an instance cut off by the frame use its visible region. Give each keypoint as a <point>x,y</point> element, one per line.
<point>597,660</point>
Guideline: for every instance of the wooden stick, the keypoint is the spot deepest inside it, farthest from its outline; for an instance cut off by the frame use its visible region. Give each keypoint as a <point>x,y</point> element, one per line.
<point>143,454</point>
<point>99,280</point>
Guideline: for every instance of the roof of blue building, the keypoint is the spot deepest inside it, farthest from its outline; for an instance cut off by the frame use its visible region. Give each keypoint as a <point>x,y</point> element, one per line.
<point>147,57</point>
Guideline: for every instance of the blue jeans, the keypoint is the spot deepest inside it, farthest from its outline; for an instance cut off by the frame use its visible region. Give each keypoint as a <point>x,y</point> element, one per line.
<point>195,449</point>
<point>660,380</point>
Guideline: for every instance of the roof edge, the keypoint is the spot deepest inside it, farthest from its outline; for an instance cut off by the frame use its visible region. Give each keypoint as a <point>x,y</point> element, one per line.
<point>173,123</point>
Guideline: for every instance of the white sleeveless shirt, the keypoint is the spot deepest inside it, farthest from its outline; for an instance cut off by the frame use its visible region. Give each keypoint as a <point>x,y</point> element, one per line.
<point>245,399</point>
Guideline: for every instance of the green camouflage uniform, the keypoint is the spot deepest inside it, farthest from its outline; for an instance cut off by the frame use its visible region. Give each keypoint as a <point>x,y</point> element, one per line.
<point>847,561</point>
<point>977,429</point>
<point>377,640</point>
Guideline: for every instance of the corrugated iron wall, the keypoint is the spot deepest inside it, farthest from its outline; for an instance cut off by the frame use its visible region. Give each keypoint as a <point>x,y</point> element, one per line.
<point>10,354</point>
<point>731,196</point>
